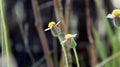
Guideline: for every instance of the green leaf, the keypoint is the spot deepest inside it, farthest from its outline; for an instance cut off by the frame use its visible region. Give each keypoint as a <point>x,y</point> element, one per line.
<point>101,49</point>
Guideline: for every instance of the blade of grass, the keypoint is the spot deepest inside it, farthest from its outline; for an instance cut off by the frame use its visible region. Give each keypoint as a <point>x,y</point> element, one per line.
<point>109,32</point>
<point>115,47</point>
<point>4,36</point>
<point>108,60</point>
<point>101,49</point>
<point>113,43</point>
<point>102,17</point>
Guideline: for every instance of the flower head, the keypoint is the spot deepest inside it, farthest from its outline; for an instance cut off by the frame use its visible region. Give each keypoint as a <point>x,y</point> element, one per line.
<point>69,39</point>
<point>67,36</point>
<point>115,14</point>
<point>51,24</point>
<point>55,30</point>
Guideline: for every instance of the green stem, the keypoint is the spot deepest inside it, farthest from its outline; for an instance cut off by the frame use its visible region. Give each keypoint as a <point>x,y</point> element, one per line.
<point>76,56</point>
<point>25,40</point>
<point>65,54</point>
<point>4,35</point>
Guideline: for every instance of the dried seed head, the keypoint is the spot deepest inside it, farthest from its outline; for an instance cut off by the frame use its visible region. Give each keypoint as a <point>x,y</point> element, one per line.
<point>51,24</point>
<point>116,12</point>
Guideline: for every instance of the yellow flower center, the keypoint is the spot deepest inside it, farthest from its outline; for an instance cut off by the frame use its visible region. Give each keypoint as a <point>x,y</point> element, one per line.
<point>51,24</point>
<point>116,12</point>
<point>68,36</point>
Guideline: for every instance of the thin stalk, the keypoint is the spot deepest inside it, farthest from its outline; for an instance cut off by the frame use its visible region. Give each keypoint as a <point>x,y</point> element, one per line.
<point>46,5</point>
<point>59,16</point>
<point>38,62</point>
<point>102,18</point>
<point>115,45</point>
<point>76,57</point>
<point>19,14</point>
<point>108,60</point>
<point>55,52</point>
<point>67,14</point>
<point>2,42</point>
<point>2,39</point>
<point>4,34</point>
<point>58,10</point>
<point>25,40</point>
<point>64,51</point>
<point>101,49</point>
<point>39,26</point>
<point>89,34</point>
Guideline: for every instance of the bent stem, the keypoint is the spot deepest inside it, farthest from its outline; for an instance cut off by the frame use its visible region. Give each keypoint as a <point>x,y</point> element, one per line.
<point>76,56</point>
<point>65,54</point>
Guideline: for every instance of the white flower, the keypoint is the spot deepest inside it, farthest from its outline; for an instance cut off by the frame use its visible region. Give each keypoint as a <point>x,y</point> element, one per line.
<point>55,30</point>
<point>115,13</point>
<point>51,25</point>
<point>115,16</point>
<point>69,39</point>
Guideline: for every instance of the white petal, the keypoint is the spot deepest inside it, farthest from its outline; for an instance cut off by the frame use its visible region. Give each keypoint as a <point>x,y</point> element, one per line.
<point>110,16</point>
<point>58,23</point>
<point>47,29</point>
<point>74,35</point>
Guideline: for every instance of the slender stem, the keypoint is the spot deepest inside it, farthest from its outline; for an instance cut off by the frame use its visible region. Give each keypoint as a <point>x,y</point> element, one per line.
<point>4,33</point>
<point>38,62</point>
<point>108,60</point>
<point>46,5</point>
<point>42,36</point>
<point>25,40</point>
<point>65,54</point>
<point>89,34</point>
<point>67,14</point>
<point>55,52</point>
<point>76,56</point>
<point>60,17</point>
<point>2,44</point>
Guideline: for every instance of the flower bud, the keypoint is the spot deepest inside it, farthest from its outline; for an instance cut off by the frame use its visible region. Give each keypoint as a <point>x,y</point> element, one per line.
<point>69,39</point>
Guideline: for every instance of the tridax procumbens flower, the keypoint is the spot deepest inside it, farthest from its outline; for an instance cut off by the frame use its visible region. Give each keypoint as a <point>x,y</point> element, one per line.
<point>115,16</point>
<point>55,30</point>
<point>69,39</point>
